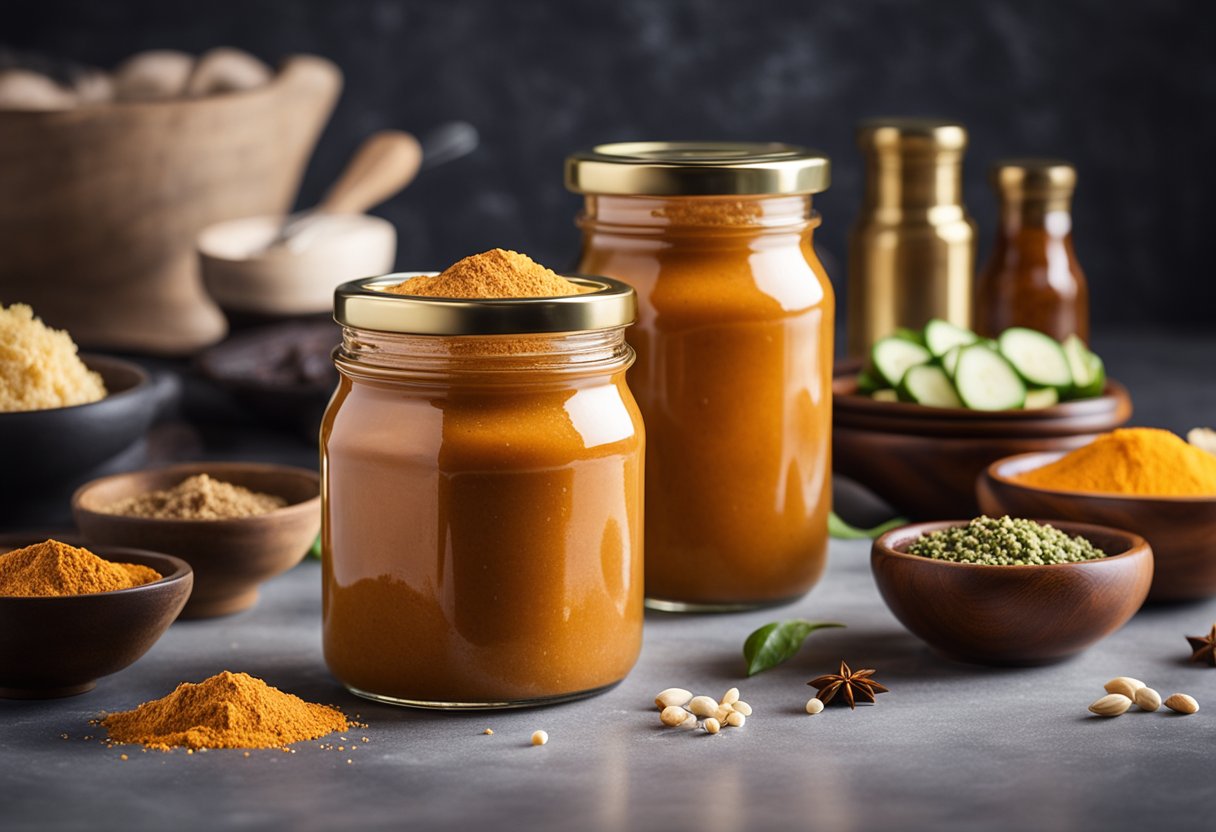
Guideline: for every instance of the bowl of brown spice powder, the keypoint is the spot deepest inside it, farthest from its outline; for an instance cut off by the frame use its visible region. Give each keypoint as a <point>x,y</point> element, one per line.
<point>236,523</point>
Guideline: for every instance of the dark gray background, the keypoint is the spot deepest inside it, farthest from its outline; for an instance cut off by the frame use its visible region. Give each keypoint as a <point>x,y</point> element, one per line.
<point>1127,90</point>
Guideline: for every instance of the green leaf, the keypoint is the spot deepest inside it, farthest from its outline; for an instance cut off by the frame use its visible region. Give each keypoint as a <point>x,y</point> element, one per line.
<point>775,643</point>
<point>315,550</point>
<point>841,530</point>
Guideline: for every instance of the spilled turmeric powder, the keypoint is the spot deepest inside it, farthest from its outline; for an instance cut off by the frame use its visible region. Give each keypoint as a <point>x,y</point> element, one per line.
<point>52,568</point>
<point>1139,461</point>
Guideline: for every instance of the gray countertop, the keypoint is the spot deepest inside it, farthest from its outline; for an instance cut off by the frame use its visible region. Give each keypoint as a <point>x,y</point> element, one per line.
<point>950,747</point>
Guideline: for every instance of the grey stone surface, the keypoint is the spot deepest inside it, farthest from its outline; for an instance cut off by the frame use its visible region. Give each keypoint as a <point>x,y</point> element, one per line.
<point>950,747</point>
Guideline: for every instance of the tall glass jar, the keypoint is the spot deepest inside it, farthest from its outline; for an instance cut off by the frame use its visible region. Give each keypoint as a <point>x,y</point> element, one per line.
<point>482,465</point>
<point>734,341</point>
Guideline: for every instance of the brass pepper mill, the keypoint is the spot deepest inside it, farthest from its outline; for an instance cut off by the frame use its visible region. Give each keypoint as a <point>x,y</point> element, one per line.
<point>1033,278</point>
<point>912,249</point>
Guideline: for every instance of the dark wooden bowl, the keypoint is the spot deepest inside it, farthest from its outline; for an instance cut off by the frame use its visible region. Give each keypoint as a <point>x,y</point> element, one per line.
<point>1013,615</point>
<point>1181,530</point>
<point>61,646</point>
<point>924,460</point>
<point>230,557</point>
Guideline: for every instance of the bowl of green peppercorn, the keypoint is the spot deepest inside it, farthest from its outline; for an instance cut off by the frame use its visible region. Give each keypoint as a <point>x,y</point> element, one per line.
<point>1010,592</point>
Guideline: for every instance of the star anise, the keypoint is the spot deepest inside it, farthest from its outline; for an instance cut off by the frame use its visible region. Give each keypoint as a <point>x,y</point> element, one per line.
<point>1204,647</point>
<point>852,685</point>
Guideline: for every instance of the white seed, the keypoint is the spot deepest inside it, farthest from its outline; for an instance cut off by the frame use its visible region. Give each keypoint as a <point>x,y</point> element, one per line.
<point>736,720</point>
<point>674,715</point>
<point>673,696</point>
<point>1147,699</point>
<point>730,697</point>
<point>814,706</point>
<point>703,706</point>
<point>690,721</point>
<point>539,737</point>
<point>723,712</point>
<point>712,726</point>
<point>1182,703</point>
<point>1113,704</point>
<point>742,707</point>
<point>1125,685</point>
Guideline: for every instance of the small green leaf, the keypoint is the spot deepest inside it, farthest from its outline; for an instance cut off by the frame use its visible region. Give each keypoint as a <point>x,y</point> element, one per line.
<point>841,530</point>
<point>315,550</point>
<point>775,643</point>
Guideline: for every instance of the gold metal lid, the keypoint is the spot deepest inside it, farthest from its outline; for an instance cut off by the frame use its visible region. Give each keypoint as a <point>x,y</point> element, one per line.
<point>698,169</point>
<point>1034,178</point>
<point>911,134</point>
<point>604,303</point>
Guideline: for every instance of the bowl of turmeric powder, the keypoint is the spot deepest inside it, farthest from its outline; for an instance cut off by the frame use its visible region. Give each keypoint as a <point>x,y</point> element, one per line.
<point>69,615</point>
<point>1145,480</point>
<point>237,524</point>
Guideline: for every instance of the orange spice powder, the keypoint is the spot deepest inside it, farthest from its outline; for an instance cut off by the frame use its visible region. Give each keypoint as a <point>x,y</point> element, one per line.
<point>52,568</point>
<point>496,273</point>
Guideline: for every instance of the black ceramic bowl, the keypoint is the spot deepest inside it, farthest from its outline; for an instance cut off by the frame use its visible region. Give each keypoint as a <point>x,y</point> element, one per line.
<point>48,447</point>
<point>61,646</point>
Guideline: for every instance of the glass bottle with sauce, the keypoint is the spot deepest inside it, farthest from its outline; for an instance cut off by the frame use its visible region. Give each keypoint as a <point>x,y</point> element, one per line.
<point>912,249</point>
<point>1032,278</point>
<point>734,342</point>
<point>482,465</point>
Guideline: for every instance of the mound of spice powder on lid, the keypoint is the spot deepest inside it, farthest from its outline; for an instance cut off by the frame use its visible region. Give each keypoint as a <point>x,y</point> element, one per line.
<point>497,273</point>
<point>1004,541</point>
<point>39,367</point>
<point>197,498</point>
<point>229,710</point>
<point>52,568</point>
<point>1142,461</point>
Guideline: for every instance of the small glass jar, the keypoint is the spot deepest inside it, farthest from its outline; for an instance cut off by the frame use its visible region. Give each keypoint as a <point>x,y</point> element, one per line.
<point>482,491</point>
<point>734,342</point>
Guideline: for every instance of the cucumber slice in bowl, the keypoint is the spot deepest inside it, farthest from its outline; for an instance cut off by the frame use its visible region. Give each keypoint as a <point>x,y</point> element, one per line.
<point>950,360</point>
<point>1038,358</point>
<point>985,380</point>
<point>929,385</point>
<point>943,336</point>
<point>1038,399</point>
<point>891,357</point>
<point>1088,372</point>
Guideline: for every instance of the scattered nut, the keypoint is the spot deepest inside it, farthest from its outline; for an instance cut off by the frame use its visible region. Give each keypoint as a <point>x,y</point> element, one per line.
<point>1147,699</point>
<point>712,726</point>
<point>814,706</point>
<point>730,697</point>
<point>673,696</point>
<point>703,706</point>
<point>539,737</point>
<point>1113,704</point>
<point>736,719</point>
<point>1125,685</point>
<point>674,715</point>
<point>1182,703</point>
<point>742,707</point>
<point>690,721</point>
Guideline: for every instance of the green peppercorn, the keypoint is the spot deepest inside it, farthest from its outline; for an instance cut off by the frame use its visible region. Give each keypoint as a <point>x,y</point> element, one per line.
<point>1004,541</point>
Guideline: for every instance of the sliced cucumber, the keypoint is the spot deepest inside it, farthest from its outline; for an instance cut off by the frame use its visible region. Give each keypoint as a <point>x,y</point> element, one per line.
<point>950,360</point>
<point>885,395</point>
<point>913,335</point>
<point>1038,358</point>
<point>928,384</point>
<point>985,380</point>
<point>1046,397</point>
<point>867,382</point>
<point>891,357</point>
<point>943,336</point>
<point>1088,372</point>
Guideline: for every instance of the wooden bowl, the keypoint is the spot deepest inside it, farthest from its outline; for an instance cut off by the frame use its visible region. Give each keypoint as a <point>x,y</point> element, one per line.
<point>42,447</point>
<point>1181,530</point>
<point>61,646</point>
<point>242,275</point>
<point>230,557</point>
<point>100,206</point>
<point>1013,615</point>
<point>924,460</point>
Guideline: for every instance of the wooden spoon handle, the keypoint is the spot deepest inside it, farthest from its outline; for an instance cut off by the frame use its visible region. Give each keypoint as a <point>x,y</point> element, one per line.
<point>384,164</point>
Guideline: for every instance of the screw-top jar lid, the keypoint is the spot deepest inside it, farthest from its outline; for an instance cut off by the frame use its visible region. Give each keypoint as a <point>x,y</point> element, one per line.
<point>697,169</point>
<point>911,134</point>
<point>1034,178</point>
<point>603,303</point>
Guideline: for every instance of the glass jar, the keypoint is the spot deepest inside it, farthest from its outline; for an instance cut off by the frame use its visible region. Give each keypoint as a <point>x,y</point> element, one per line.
<point>1033,278</point>
<point>482,492</point>
<point>734,342</point>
